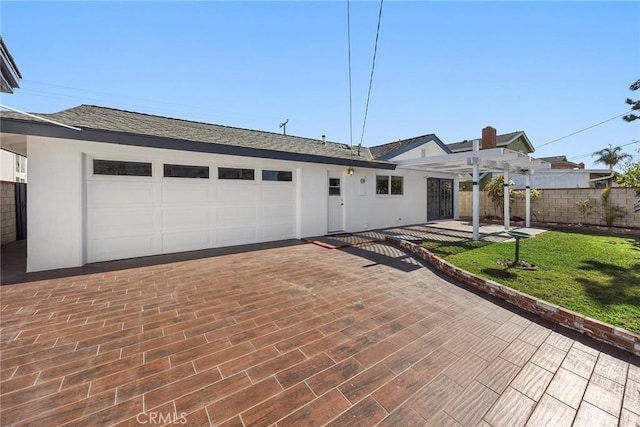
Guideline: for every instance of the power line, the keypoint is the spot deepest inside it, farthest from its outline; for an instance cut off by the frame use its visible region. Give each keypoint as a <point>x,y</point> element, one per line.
<point>582,130</point>
<point>350,96</point>
<point>373,65</point>
<point>83,95</point>
<point>581,156</point>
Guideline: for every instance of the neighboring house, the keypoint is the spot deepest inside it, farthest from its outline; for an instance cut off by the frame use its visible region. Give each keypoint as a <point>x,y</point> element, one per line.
<point>9,70</point>
<point>562,173</point>
<point>561,162</point>
<point>565,174</point>
<point>565,178</point>
<point>13,167</point>
<point>514,141</point>
<point>130,184</point>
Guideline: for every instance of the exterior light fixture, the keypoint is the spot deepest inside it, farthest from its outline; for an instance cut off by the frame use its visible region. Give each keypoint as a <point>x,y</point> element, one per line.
<point>350,170</point>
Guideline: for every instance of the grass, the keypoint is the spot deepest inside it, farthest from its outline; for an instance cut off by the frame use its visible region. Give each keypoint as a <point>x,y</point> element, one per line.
<point>593,274</point>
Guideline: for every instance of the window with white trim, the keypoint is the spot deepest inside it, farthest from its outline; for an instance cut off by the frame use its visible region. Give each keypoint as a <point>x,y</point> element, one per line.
<point>389,184</point>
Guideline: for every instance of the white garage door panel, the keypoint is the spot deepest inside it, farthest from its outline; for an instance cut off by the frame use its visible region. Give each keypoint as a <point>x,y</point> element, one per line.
<point>185,194</point>
<point>236,216</point>
<point>229,193</point>
<point>175,219</point>
<point>277,232</point>
<point>237,236</point>
<point>119,193</point>
<point>104,249</point>
<point>277,195</point>
<point>119,221</point>
<point>185,241</point>
<point>132,216</point>
<point>277,215</point>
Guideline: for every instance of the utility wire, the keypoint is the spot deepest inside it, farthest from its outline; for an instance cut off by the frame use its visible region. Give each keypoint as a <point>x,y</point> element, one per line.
<point>582,130</point>
<point>580,156</point>
<point>373,65</point>
<point>350,96</point>
<point>157,106</point>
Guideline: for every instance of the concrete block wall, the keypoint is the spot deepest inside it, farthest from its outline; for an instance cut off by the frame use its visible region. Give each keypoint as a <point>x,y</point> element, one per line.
<point>8,211</point>
<point>560,205</point>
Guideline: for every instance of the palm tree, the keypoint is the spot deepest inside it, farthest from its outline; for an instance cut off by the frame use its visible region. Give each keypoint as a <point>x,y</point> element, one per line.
<point>611,157</point>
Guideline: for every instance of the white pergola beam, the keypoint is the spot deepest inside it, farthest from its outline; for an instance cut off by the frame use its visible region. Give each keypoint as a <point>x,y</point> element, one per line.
<point>477,161</point>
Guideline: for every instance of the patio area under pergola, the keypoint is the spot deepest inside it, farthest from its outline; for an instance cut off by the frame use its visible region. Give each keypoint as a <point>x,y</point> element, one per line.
<point>476,161</point>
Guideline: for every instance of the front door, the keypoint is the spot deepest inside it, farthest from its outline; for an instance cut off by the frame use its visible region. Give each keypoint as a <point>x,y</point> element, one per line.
<point>336,203</point>
<point>439,199</point>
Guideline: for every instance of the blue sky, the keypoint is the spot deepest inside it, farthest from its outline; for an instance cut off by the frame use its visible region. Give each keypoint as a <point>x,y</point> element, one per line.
<point>449,68</point>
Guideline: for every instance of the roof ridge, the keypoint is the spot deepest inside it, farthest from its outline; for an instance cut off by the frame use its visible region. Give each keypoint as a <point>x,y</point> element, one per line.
<point>403,140</point>
<point>201,123</point>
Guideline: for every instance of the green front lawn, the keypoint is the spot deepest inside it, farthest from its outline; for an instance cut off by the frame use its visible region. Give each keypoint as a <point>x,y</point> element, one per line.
<point>595,275</point>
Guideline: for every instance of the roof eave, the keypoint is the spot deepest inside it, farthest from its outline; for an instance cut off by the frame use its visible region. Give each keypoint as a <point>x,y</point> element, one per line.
<point>25,127</point>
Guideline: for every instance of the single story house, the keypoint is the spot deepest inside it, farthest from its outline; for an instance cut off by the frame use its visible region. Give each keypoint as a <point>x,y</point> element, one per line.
<point>121,184</point>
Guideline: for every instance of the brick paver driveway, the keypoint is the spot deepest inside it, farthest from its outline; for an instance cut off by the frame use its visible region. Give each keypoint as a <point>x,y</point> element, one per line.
<point>296,335</point>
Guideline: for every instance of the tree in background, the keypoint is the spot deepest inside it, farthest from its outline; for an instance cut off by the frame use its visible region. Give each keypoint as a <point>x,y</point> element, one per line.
<point>630,177</point>
<point>611,157</point>
<point>635,105</point>
<point>495,191</point>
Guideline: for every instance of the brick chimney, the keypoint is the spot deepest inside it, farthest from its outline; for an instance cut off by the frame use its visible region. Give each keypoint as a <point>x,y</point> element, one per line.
<point>488,138</point>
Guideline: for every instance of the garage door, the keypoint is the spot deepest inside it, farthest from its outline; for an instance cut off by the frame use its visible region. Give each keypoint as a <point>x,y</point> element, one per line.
<point>137,209</point>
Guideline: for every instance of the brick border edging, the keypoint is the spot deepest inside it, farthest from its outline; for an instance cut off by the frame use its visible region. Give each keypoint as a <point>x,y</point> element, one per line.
<point>612,335</point>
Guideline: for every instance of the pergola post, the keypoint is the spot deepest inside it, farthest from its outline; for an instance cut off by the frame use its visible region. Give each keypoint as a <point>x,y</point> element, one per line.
<point>527,214</point>
<point>475,208</point>
<point>506,200</point>
<point>476,201</point>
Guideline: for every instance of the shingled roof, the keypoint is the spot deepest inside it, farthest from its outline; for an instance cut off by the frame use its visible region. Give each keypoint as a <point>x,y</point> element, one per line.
<point>176,133</point>
<point>501,141</point>
<point>392,149</point>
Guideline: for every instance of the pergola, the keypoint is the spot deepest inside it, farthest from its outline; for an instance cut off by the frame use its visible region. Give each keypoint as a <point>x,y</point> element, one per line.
<point>489,160</point>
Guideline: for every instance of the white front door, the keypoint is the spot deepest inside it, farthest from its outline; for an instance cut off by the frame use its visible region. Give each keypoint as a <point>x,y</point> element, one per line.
<point>336,203</point>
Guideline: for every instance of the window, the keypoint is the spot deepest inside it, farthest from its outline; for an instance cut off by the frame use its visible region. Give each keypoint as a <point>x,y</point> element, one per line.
<point>185,171</point>
<point>110,167</point>
<point>21,162</point>
<point>382,184</point>
<point>334,186</point>
<point>397,185</point>
<point>389,185</point>
<point>268,175</point>
<point>234,173</point>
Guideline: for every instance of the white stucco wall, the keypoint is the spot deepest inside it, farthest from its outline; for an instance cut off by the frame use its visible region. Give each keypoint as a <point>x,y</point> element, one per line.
<point>7,166</point>
<point>56,206</point>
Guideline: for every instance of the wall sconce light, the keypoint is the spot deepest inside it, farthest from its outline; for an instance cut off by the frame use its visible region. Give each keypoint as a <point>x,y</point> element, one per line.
<point>350,170</point>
